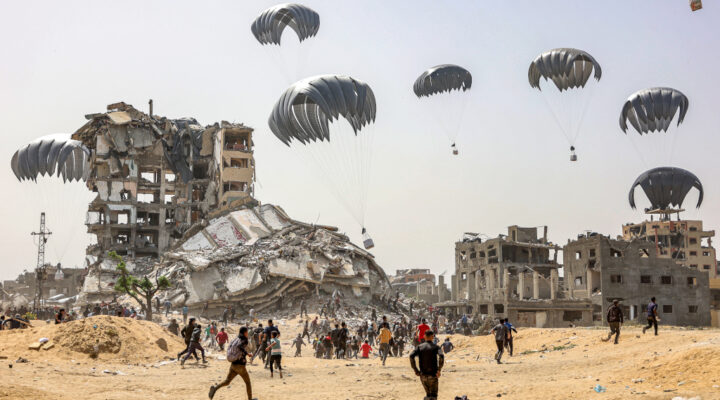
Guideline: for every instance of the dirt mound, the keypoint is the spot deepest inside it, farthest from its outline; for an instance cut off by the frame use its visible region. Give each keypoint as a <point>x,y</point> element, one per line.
<point>104,337</point>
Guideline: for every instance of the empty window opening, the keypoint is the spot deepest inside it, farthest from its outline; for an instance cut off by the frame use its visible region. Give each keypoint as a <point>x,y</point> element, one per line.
<point>666,280</point>
<point>572,316</point>
<point>691,281</point>
<point>693,240</point>
<point>694,266</point>
<point>643,253</point>
<point>706,267</point>
<point>615,278</point>
<point>169,198</point>
<point>667,309</point>
<point>592,252</point>
<point>150,176</point>
<point>463,276</point>
<point>578,255</point>
<point>473,255</point>
<point>235,186</point>
<point>646,279</point>
<point>706,253</point>
<point>122,238</point>
<point>483,309</point>
<point>499,308</point>
<point>693,309</point>
<point>578,281</point>
<point>146,198</point>
<point>169,177</point>
<point>693,253</point>
<point>615,253</point>
<point>200,171</point>
<point>693,228</point>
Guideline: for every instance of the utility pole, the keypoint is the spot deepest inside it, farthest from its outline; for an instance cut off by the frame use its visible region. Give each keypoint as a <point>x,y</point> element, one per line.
<point>40,268</point>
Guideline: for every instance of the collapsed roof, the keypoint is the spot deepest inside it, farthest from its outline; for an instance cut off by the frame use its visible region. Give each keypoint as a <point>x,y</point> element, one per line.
<point>258,257</point>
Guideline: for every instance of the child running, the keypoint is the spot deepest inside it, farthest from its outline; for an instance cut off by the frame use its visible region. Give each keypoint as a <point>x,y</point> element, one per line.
<point>275,353</point>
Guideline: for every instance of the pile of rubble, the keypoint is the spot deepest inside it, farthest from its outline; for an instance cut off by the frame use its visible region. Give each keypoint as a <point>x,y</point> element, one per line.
<point>259,258</point>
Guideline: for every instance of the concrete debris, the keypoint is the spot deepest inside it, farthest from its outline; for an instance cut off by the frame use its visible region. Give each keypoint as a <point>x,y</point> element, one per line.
<point>259,258</point>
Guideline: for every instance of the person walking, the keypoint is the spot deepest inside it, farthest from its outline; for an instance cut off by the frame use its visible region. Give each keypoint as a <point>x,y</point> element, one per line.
<point>366,349</point>
<point>237,355</point>
<point>500,331</point>
<point>615,320</point>
<point>298,342</point>
<point>267,335</point>
<point>303,308</point>
<point>384,339</point>
<point>652,316</point>
<point>168,304</point>
<point>225,315</point>
<point>275,353</point>
<point>222,338</point>
<point>306,330</point>
<point>185,311</point>
<point>431,360</point>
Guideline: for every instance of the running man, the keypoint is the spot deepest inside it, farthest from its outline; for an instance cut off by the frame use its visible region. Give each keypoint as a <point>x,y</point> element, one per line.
<point>510,329</point>
<point>194,345</point>
<point>431,362</point>
<point>222,338</point>
<point>500,331</point>
<point>615,320</point>
<point>275,353</point>
<point>447,346</point>
<point>652,316</point>
<point>421,329</point>
<point>237,367</point>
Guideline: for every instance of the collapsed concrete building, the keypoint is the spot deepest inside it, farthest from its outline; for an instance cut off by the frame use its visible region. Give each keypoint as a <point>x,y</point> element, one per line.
<point>632,271</point>
<point>155,177</point>
<point>176,198</point>
<point>514,276</point>
<point>258,258</point>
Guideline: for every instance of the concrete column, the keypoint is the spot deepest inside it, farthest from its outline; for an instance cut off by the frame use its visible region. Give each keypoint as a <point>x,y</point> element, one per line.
<point>506,284</point>
<point>471,289</point>
<point>570,284</point>
<point>553,283</point>
<point>536,285</point>
<point>441,288</point>
<point>521,285</point>
<point>453,288</point>
<point>589,283</point>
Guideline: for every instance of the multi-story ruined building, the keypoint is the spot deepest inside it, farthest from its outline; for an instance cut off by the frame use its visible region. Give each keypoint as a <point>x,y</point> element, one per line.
<point>156,176</point>
<point>683,241</point>
<point>418,283</point>
<point>514,276</point>
<point>632,271</point>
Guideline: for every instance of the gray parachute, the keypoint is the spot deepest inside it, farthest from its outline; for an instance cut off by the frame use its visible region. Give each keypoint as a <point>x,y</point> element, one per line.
<point>442,78</point>
<point>306,108</point>
<point>49,154</point>
<point>567,68</point>
<point>666,186</point>
<point>653,109</point>
<point>268,27</point>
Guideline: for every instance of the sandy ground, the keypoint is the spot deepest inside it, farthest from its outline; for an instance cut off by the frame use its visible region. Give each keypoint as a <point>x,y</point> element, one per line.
<point>548,364</point>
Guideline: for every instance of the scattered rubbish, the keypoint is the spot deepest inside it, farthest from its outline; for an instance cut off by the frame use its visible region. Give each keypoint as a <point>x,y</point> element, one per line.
<point>638,380</point>
<point>464,397</point>
<point>600,389</point>
<point>43,340</point>
<point>21,360</point>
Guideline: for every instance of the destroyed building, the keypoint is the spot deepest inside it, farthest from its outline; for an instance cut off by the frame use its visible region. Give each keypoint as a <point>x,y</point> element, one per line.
<point>514,276</point>
<point>155,177</point>
<point>602,270</point>
<point>258,258</point>
<point>419,283</point>
<point>58,284</point>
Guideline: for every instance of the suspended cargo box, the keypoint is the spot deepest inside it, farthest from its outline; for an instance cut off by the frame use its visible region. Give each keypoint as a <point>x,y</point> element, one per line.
<point>695,5</point>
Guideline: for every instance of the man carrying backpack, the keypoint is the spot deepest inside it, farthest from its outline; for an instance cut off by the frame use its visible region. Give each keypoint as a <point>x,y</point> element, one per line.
<point>236,354</point>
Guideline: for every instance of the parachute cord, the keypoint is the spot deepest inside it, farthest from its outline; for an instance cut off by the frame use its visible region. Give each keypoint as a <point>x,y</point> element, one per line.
<point>557,119</point>
<point>585,107</point>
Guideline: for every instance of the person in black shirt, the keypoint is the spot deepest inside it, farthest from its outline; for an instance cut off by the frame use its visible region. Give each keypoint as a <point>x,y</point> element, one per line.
<point>267,334</point>
<point>186,333</point>
<point>237,367</point>
<point>343,334</point>
<point>431,362</point>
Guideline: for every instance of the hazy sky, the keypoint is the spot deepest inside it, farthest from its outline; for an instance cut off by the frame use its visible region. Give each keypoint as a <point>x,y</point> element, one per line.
<point>62,60</point>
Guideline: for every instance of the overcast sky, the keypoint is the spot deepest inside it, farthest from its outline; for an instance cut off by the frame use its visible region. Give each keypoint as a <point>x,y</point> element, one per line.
<point>62,60</point>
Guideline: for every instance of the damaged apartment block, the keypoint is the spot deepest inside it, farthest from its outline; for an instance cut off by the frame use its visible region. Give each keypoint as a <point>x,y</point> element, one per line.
<point>514,276</point>
<point>632,271</point>
<point>155,177</point>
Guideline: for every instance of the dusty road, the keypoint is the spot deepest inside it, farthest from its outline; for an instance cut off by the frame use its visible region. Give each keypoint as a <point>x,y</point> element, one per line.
<point>548,364</point>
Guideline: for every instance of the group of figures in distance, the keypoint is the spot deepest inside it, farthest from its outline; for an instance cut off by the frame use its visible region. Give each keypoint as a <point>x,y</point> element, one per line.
<point>307,117</point>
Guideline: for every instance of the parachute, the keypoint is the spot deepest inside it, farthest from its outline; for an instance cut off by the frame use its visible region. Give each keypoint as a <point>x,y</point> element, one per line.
<point>268,29</point>
<point>653,110</point>
<point>666,187</point>
<point>569,69</point>
<point>448,83</point>
<point>46,154</point>
<point>307,119</point>
<point>37,166</point>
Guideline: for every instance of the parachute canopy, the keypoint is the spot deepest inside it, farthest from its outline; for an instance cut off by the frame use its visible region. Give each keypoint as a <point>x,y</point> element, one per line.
<point>653,109</point>
<point>268,27</point>
<point>306,108</point>
<point>48,153</point>
<point>442,78</point>
<point>666,186</point>
<point>567,68</point>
